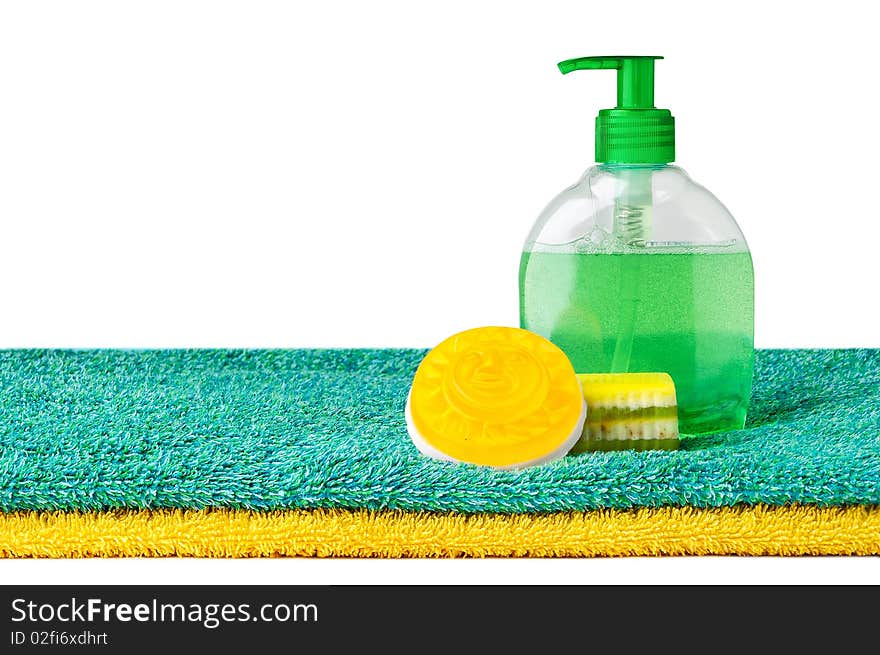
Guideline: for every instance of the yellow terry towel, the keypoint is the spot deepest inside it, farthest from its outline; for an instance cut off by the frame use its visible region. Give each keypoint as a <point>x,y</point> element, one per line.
<point>741,530</point>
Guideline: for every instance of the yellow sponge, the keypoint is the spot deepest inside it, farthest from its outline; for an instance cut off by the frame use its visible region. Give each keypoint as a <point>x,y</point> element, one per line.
<point>495,396</point>
<point>629,410</point>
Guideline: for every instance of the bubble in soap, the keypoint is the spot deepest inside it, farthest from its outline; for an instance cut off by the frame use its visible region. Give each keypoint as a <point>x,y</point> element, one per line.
<point>598,236</point>
<point>596,240</point>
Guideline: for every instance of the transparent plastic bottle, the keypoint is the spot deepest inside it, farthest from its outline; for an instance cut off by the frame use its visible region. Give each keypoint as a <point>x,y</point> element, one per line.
<point>638,268</point>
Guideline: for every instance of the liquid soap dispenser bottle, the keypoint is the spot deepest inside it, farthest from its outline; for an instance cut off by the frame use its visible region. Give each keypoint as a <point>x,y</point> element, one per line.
<point>637,268</point>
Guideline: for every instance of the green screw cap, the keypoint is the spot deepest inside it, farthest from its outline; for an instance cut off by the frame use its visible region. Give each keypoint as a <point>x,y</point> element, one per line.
<point>634,132</point>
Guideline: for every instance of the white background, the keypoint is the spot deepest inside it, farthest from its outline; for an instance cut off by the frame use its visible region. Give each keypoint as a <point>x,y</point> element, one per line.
<point>364,174</point>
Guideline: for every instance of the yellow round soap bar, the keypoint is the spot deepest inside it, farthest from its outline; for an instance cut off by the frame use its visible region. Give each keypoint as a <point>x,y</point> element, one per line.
<point>495,396</point>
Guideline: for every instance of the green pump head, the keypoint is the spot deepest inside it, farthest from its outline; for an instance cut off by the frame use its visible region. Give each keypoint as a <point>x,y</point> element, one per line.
<point>634,132</point>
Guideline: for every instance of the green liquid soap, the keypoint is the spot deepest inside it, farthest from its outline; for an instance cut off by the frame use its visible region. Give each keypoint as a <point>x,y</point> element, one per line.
<point>686,312</point>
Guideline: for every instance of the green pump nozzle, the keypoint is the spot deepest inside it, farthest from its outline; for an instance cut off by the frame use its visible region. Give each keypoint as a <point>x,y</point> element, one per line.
<point>634,132</point>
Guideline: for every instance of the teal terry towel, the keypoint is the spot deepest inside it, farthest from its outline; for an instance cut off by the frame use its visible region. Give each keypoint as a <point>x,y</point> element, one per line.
<point>324,428</point>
